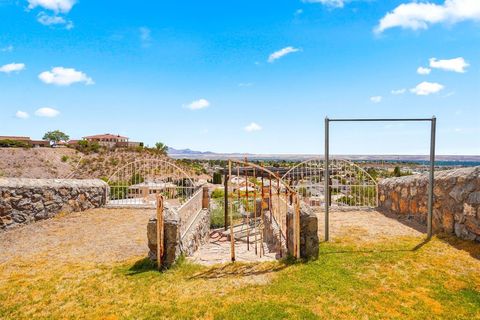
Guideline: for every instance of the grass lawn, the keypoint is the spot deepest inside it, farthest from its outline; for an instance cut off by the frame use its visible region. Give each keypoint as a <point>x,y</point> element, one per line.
<point>397,279</point>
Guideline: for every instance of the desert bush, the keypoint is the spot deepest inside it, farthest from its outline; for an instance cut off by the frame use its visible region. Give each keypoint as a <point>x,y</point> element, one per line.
<point>64,158</point>
<point>7,143</point>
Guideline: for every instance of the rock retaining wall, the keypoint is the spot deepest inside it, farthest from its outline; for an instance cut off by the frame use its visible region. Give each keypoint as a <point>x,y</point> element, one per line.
<point>27,200</point>
<point>309,241</point>
<point>456,205</point>
<point>174,243</point>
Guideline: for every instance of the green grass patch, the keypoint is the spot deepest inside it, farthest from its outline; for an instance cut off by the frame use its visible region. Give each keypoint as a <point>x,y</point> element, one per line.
<point>395,279</point>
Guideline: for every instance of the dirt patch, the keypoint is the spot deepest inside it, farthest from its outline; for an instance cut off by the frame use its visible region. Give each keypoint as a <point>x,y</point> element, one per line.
<point>97,236</point>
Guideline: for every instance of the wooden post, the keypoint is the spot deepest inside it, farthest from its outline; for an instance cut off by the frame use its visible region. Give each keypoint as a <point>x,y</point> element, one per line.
<point>160,226</point>
<point>205,198</point>
<point>297,226</point>
<point>261,219</point>
<point>255,210</point>
<point>247,208</point>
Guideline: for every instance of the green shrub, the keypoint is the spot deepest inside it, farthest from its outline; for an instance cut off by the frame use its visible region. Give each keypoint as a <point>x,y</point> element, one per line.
<point>7,143</point>
<point>218,194</point>
<point>64,158</point>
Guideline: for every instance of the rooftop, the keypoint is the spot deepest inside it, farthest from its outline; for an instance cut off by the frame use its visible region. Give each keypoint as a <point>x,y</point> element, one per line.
<point>106,136</point>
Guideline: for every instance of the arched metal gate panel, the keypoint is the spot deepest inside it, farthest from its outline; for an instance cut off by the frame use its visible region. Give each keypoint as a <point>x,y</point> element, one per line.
<point>138,183</point>
<point>350,185</point>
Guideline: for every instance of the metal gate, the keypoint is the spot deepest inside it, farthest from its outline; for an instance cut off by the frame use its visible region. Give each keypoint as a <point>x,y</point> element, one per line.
<point>254,197</point>
<point>140,182</point>
<point>349,184</point>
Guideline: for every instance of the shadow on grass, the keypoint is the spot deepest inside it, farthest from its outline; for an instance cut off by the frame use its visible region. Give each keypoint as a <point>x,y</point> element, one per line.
<point>142,266</point>
<point>415,248</point>
<point>472,247</point>
<point>239,270</point>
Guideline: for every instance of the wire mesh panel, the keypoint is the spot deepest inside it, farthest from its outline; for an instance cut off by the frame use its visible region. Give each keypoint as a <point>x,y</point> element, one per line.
<point>349,184</point>
<point>138,184</point>
<point>256,197</point>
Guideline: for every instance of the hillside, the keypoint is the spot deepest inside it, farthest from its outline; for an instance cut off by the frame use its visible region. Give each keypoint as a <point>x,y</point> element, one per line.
<point>67,163</point>
<point>37,163</point>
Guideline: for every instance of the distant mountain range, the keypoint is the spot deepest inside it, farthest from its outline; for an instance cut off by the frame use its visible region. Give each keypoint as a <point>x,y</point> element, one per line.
<point>208,155</point>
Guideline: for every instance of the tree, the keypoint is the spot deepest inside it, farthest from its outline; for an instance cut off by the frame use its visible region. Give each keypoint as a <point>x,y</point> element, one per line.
<point>217,178</point>
<point>397,172</point>
<point>55,136</point>
<point>161,148</point>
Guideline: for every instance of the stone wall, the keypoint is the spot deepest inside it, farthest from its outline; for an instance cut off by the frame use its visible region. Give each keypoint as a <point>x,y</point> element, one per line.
<point>183,233</point>
<point>27,200</point>
<point>174,244</point>
<point>456,205</point>
<point>309,241</point>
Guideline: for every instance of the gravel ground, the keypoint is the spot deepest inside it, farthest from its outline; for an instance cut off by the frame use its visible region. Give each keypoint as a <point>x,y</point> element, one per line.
<point>96,236</point>
<point>366,225</point>
<point>116,235</point>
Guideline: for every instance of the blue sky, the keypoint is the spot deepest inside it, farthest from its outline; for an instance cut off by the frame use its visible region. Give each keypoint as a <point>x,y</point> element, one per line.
<point>244,76</point>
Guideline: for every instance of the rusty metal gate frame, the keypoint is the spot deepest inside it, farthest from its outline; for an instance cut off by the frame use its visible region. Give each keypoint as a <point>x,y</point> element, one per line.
<point>433,122</point>
<point>290,196</point>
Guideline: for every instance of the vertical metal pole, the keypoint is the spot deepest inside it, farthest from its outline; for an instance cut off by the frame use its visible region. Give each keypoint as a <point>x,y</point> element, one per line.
<point>327,180</point>
<point>432,177</point>
<point>225,199</point>
<point>232,235</point>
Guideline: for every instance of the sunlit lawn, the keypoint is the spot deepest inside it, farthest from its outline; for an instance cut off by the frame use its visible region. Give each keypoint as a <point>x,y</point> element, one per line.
<point>350,280</point>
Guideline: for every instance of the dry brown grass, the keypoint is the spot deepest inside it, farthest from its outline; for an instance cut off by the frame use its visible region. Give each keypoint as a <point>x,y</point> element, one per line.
<point>401,277</point>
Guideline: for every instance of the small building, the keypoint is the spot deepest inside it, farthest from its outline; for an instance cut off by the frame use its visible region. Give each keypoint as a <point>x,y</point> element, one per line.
<point>27,141</point>
<point>148,188</point>
<point>112,141</point>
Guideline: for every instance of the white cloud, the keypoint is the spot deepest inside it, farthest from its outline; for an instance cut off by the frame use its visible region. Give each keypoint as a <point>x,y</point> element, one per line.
<point>198,104</point>
<point>47,112</point>
<point>329,3</point>
<point>427,88</point>
<point>455,65</point>
<point>8,48</point>
<point>21,114</point>
<point>419,15</point>
<point>63,6</point>
<point>298,12</point>
<point>423,71</point>
<point>12,67</point>
<point>61,76</point>
<point>281,53</point>
<point>253,127</point>
<point>145,36</point>
<point>399,91</point>
<point>376,99</point>
<point>47,20</point>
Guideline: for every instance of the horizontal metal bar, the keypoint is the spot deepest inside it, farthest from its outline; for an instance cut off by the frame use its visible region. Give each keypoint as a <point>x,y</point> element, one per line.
<point>379,120</point>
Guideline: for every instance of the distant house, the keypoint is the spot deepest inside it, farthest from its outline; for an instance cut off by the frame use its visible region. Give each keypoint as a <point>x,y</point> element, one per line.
<point>112,140</point>
<point>28,141</point>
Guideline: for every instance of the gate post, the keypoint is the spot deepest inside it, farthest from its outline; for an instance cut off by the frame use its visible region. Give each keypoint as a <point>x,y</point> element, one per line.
<point>205,198</point>
<point>225,202</point>
<point>159,231</point>
<point>326,192</point>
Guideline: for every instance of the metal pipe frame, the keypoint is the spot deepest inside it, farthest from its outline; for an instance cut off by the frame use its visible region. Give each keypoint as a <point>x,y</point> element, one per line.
<point>432,120</point>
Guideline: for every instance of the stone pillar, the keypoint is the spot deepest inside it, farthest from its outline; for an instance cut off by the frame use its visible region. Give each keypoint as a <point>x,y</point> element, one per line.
<point>172,249</point>
<point>309,242</point>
